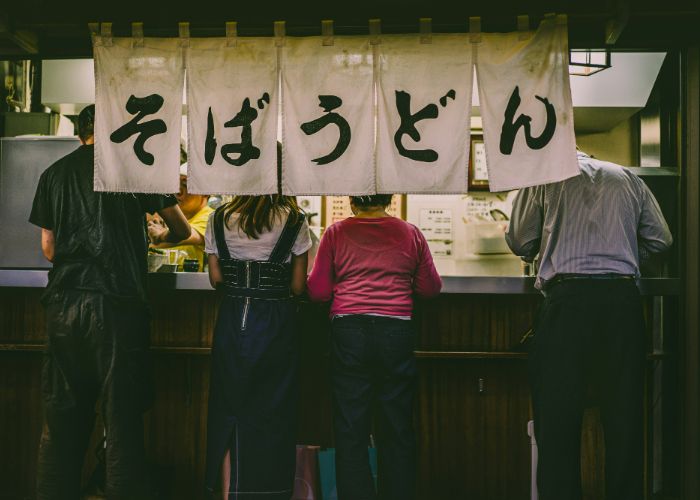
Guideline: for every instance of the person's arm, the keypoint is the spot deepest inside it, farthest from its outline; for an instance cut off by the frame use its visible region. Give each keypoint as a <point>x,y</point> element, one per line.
<point>321,280</point>
<point>215,275</point>
<point>525,228</point>
<point>298,284</point>
<point>426,281</point>
<point>48,245</point>
<point>159,235</point>
<point>42,216</point>
<point>653,235</point>
<point>214,266</point>
<point>178,228</point>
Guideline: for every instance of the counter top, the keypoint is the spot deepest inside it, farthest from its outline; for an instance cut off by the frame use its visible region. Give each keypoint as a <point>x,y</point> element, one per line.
<point>23,278</point>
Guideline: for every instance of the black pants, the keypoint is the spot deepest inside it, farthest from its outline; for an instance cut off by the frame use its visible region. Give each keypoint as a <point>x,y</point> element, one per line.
<point>97,350</point>
<point>373,365</point>
<point>590,336</point>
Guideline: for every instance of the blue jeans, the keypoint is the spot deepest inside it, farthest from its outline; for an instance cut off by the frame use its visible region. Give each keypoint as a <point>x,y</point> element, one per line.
<point>374,367</point>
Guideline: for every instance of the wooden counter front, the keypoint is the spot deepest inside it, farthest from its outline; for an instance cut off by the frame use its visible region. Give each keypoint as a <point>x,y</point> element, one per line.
<point>471,414</point>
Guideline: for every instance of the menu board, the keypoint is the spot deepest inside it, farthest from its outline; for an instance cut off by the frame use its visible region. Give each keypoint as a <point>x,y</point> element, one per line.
<point>481,173</point>
<point>483,207</point>
<point>436,226</point>
<point>337,208</point>
<point>478,171</point>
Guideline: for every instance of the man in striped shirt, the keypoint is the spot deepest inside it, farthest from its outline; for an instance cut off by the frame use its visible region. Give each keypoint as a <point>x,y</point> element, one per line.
<point>591,232</point>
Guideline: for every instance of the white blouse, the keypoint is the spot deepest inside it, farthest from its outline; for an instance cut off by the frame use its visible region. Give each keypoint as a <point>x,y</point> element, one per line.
<point>241,247</point>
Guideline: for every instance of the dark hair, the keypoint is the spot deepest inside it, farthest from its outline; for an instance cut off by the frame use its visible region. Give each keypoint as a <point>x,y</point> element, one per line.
<point>373,200</point>
<point>86,122</point>
<point>257,213</point>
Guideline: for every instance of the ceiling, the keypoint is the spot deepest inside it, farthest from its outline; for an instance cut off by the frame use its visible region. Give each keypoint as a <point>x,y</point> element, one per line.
<point>52,29</point>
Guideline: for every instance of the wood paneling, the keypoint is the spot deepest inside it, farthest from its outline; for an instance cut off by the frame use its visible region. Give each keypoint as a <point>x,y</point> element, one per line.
<point>471,413</point>
<point>183,318</point>
<point>175,427</point>
<point>475,322</point>
<point>21,316</point>
<point>20,423</point>
<point>472,430</point>
<point>315,407</point>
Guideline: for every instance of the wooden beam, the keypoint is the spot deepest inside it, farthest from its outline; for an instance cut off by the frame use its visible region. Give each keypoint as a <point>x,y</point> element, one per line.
<point>26,42</point>
<point>690,342</point>
<point>616,25</point>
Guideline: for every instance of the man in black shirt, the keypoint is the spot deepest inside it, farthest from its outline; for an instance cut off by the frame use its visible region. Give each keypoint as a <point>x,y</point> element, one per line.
<point>97,321</point>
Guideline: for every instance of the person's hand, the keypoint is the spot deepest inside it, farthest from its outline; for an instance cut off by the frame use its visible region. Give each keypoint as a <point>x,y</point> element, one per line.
<point>156,231</point>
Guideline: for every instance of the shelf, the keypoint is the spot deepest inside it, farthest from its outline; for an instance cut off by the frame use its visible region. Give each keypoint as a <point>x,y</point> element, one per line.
<point>470,355</point>
<point>655,171</point>
<point>23,347</point>
<point>155,349</point>
<point>656,356</point>
<point>499,285</point>
<point>205,351</point>
<point>182,350</point>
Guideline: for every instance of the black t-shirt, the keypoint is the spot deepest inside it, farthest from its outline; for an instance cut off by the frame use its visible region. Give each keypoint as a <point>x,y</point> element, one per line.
<point>100,238</point>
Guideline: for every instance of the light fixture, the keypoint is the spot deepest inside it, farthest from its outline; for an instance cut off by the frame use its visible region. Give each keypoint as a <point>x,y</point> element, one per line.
<point>587,62</point>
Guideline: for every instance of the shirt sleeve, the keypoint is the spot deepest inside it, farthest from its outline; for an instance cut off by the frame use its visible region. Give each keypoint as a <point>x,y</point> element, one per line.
<point>42,208</point>
<point>653,235</point>
<point>209,239</point>
<point>152,203</point>
<point>322,278</point>
<point>426,281</point>
<point>525,228</point>
<point>303,242</point>
<point>200,221</point>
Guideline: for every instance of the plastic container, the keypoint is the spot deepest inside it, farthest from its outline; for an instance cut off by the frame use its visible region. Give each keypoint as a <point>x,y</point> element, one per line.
<point>489,237</point>
<point>190,265</point>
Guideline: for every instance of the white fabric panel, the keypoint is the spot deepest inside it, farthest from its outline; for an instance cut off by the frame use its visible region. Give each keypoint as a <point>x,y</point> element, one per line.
<point>538,67</point>
<point>437,77</point>
<point>123,70</point>
<point>328,91</point>
<point>238,85</point>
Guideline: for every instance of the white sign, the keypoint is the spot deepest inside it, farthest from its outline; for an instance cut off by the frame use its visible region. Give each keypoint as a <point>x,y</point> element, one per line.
<point>481,172</point>
<point>436,226</point>
<point>138,114</point>
<point>526,107</point>
<point>232,102</point>
<point>352,117</point>
<point>328,116</point>
<point>423,112</point>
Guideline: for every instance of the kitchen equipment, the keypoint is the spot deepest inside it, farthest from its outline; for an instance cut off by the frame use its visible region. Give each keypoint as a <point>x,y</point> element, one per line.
<point>488,237</point>
<point>156,261</point>
<point>167,268</point>
<point>190,265</point>
<point>22,161</point>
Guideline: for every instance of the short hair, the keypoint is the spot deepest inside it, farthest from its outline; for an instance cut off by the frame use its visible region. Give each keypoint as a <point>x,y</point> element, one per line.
<point>86,122</point>
<point>373,200</point>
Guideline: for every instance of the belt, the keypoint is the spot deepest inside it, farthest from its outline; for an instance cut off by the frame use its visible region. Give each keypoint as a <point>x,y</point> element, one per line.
<point>255,279</point>
<point>560,278</point>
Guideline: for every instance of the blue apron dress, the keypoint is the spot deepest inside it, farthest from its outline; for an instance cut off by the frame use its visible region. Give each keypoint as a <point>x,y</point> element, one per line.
<point>253,391</point>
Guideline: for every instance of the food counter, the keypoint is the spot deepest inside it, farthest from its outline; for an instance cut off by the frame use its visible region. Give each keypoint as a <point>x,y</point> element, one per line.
<point>472,399</point>
<point>474,284</point>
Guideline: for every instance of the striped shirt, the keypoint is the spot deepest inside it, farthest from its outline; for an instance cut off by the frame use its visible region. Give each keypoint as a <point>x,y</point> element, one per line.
<point>604,220</point>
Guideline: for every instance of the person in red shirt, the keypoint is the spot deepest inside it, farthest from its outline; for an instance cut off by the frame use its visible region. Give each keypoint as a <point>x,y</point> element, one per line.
<point>370,266</point>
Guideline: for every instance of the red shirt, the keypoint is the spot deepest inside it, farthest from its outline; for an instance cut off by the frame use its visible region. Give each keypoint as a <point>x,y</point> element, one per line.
<point>373,266</point>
